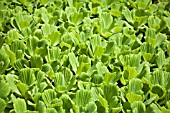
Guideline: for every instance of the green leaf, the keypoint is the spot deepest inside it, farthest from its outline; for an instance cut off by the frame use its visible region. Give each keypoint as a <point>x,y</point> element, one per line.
<point>160,58</point>
<point>98,52</point>
<point>3,105</point>
<point>132,97</point>
<point>95,41</point>
<point>127,14</point>
<point>109,48</point>
<point>48,29</point>
<point>135,85</point>
<point>76,18</point>
<point>4,62</point>
<point>19,105</point>
<point>101,69</point>
<point>53,54</point>
<point>106,21</point>
<point>110,90</point>
<point>32,43</point>
<point>36,61</point>
<point>12,35</point>
<point>91,108</point>
<point>51,110</point>
<point>153,108</point>
<point>83,97</point>
<point>138,107</point>
<point>11,80</point>
<point>22,88</point>
<point>54,38</point>
<point>104,103</point>
<point>167,22</point>
<point>4,89</point>
<point>73,61</point>
<point>17,45</point>
<point>27,76</point>
<point>40,106</point>
<point>1,41</point>
<point>160,38</point>
<point>48,96</point>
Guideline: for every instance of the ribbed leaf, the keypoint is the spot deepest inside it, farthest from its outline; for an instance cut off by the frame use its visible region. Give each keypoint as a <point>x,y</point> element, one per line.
<point>53,54</point>
<point>3,105</point>
<point>40,106</point>
<point>110,90</point>
<point>11,80</point>
<point>36,61</point>
<point>135,85</point>
<point>153,108</point>
<point>138,107</point>
<point>160,58</point>
<point>73,61</point>
<point>51,110</point>
<point>32,43</point>
<point>27,76</point>
<point>127,14</point>
<point>91,108</point>
<point>4,62</point>
<point>83,97</point>
<point>4,89</point>
<point>20,105</point>
<point>131,97</point>
<point>104,103</point>
<point>48,96</point>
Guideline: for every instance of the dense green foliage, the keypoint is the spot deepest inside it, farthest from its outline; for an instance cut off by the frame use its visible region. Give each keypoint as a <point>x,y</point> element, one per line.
<point>84,56</point>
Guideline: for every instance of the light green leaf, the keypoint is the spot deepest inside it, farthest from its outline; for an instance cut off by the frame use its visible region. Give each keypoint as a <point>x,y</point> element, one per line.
<point>138,107</point>
<point>160,38</point>
<point>11,80</point>
<point>167,22</point>
<point>135,85</point>
<point>32,43</point>
<point>54,38</point>
<point>12,35</point>
<point>36,61</point>
<point>98,52</point>
<point>27,76</point>
<point>41,107</point>
<point>104,103</point>
<point>51,110</point>
<point>132,97</point>
<point>91,107</point>
<point>110,90</point>
<point>101,69</point>
<point>22,88</point>
<point>39,77</point>
<point>160,58</point>
<point>83,97</point>
<point>48,96</point>
<point>153,108</point>
<point>105,21</point>
<point>95,41</point>
<point>127,14</point>
<point>4,62</point>
<point>3,105</point>
<point>1,41</point>
<point>73,61</point>
<point>48,29</point>
<point>4,89</point>
<point>53,54</point>
<point>19,105</point>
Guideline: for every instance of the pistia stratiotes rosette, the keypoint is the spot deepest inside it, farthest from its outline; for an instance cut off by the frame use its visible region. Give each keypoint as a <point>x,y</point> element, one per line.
<point>84,56</point>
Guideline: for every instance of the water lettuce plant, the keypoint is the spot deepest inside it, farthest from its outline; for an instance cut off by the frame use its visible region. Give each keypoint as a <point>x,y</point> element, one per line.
<point>84,56</point>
